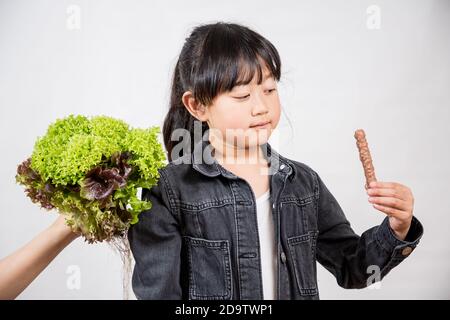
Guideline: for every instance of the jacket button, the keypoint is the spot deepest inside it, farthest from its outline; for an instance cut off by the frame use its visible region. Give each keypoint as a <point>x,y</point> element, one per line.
<point>282,167</point>
<point>406,251</point>
<point>283,257</point>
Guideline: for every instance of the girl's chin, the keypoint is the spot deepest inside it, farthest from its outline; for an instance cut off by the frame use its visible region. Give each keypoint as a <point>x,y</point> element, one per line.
<point>247,139</point>
<point>256,142</point>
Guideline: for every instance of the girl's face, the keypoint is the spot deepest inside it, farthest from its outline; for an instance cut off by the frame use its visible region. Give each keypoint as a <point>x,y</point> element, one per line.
<point>234,116</point>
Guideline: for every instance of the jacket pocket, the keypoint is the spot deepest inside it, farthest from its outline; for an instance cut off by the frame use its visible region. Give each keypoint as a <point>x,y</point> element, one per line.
<point>209,268</point>
<point>301,212</point>
<point>302,250</point>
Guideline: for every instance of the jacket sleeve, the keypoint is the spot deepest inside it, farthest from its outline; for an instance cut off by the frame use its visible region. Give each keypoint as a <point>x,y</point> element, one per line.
<point>155,242</point>
<point>358,261</point>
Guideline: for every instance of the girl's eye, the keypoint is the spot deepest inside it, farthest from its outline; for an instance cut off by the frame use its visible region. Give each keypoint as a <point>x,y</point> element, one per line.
<point>243,97</point>
<point>271,90</point>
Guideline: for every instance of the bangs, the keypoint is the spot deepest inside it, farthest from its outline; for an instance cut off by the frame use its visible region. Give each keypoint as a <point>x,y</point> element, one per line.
<point>232,55</point>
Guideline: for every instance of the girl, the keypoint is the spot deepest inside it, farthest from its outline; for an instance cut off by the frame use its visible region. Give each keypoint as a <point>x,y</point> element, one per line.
<point>232,218</point>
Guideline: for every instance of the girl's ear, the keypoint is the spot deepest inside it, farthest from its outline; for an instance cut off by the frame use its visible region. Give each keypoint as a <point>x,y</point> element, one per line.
<point>195,108</point>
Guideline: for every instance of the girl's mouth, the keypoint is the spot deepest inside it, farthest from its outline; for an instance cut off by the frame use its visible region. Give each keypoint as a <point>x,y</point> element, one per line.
<point>261,125</point>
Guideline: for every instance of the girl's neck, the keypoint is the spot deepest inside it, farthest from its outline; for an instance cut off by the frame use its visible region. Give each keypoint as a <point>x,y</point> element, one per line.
<point>250,164</point>
<point>232,157</point>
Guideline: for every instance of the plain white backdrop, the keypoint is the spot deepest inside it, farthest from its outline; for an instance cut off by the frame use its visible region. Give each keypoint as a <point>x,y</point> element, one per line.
<point>379,65</point>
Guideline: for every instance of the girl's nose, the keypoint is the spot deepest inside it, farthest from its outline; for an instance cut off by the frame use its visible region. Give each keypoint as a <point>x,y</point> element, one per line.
<point>259,105</point>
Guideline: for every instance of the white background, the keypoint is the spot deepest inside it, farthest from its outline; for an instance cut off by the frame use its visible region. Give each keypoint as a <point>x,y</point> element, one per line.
<point>339,74</point>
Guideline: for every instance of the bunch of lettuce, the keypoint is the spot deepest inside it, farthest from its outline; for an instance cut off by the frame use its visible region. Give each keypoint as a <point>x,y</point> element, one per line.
<point>90,170</point>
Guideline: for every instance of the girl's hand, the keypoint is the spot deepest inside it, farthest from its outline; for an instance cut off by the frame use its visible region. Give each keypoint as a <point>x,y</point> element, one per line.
<point>395,200</point>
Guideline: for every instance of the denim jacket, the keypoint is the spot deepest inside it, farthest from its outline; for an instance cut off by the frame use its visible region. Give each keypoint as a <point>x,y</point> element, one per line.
<point>199,240</point>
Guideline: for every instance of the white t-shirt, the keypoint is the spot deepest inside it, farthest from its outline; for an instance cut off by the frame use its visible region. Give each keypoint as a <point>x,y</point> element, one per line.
<point>267,243</point>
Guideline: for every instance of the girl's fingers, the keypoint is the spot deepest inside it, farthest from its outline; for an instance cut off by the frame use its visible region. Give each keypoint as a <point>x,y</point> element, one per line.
<point>390,185</point>
<point>394,193</point>
<point>381,184</point>
<point>391,198</point>
<point>401,191</point>
<point>388,210</point>
<point>392,202</point>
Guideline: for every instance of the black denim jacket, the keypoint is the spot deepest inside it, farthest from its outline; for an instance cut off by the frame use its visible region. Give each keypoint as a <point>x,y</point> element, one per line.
<point>200,238</point>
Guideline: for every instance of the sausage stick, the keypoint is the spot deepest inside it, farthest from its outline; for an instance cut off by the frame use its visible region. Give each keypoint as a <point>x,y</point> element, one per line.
<point>364,156</point>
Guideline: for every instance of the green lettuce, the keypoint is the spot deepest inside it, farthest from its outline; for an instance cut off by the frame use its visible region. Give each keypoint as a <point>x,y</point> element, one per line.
<point>90,170</point>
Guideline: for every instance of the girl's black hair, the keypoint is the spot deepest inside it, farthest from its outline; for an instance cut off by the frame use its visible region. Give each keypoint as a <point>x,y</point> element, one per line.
<point>215,58</point>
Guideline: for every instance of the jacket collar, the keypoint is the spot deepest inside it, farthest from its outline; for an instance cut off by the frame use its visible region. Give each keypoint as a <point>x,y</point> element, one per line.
<point>205,163</point>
